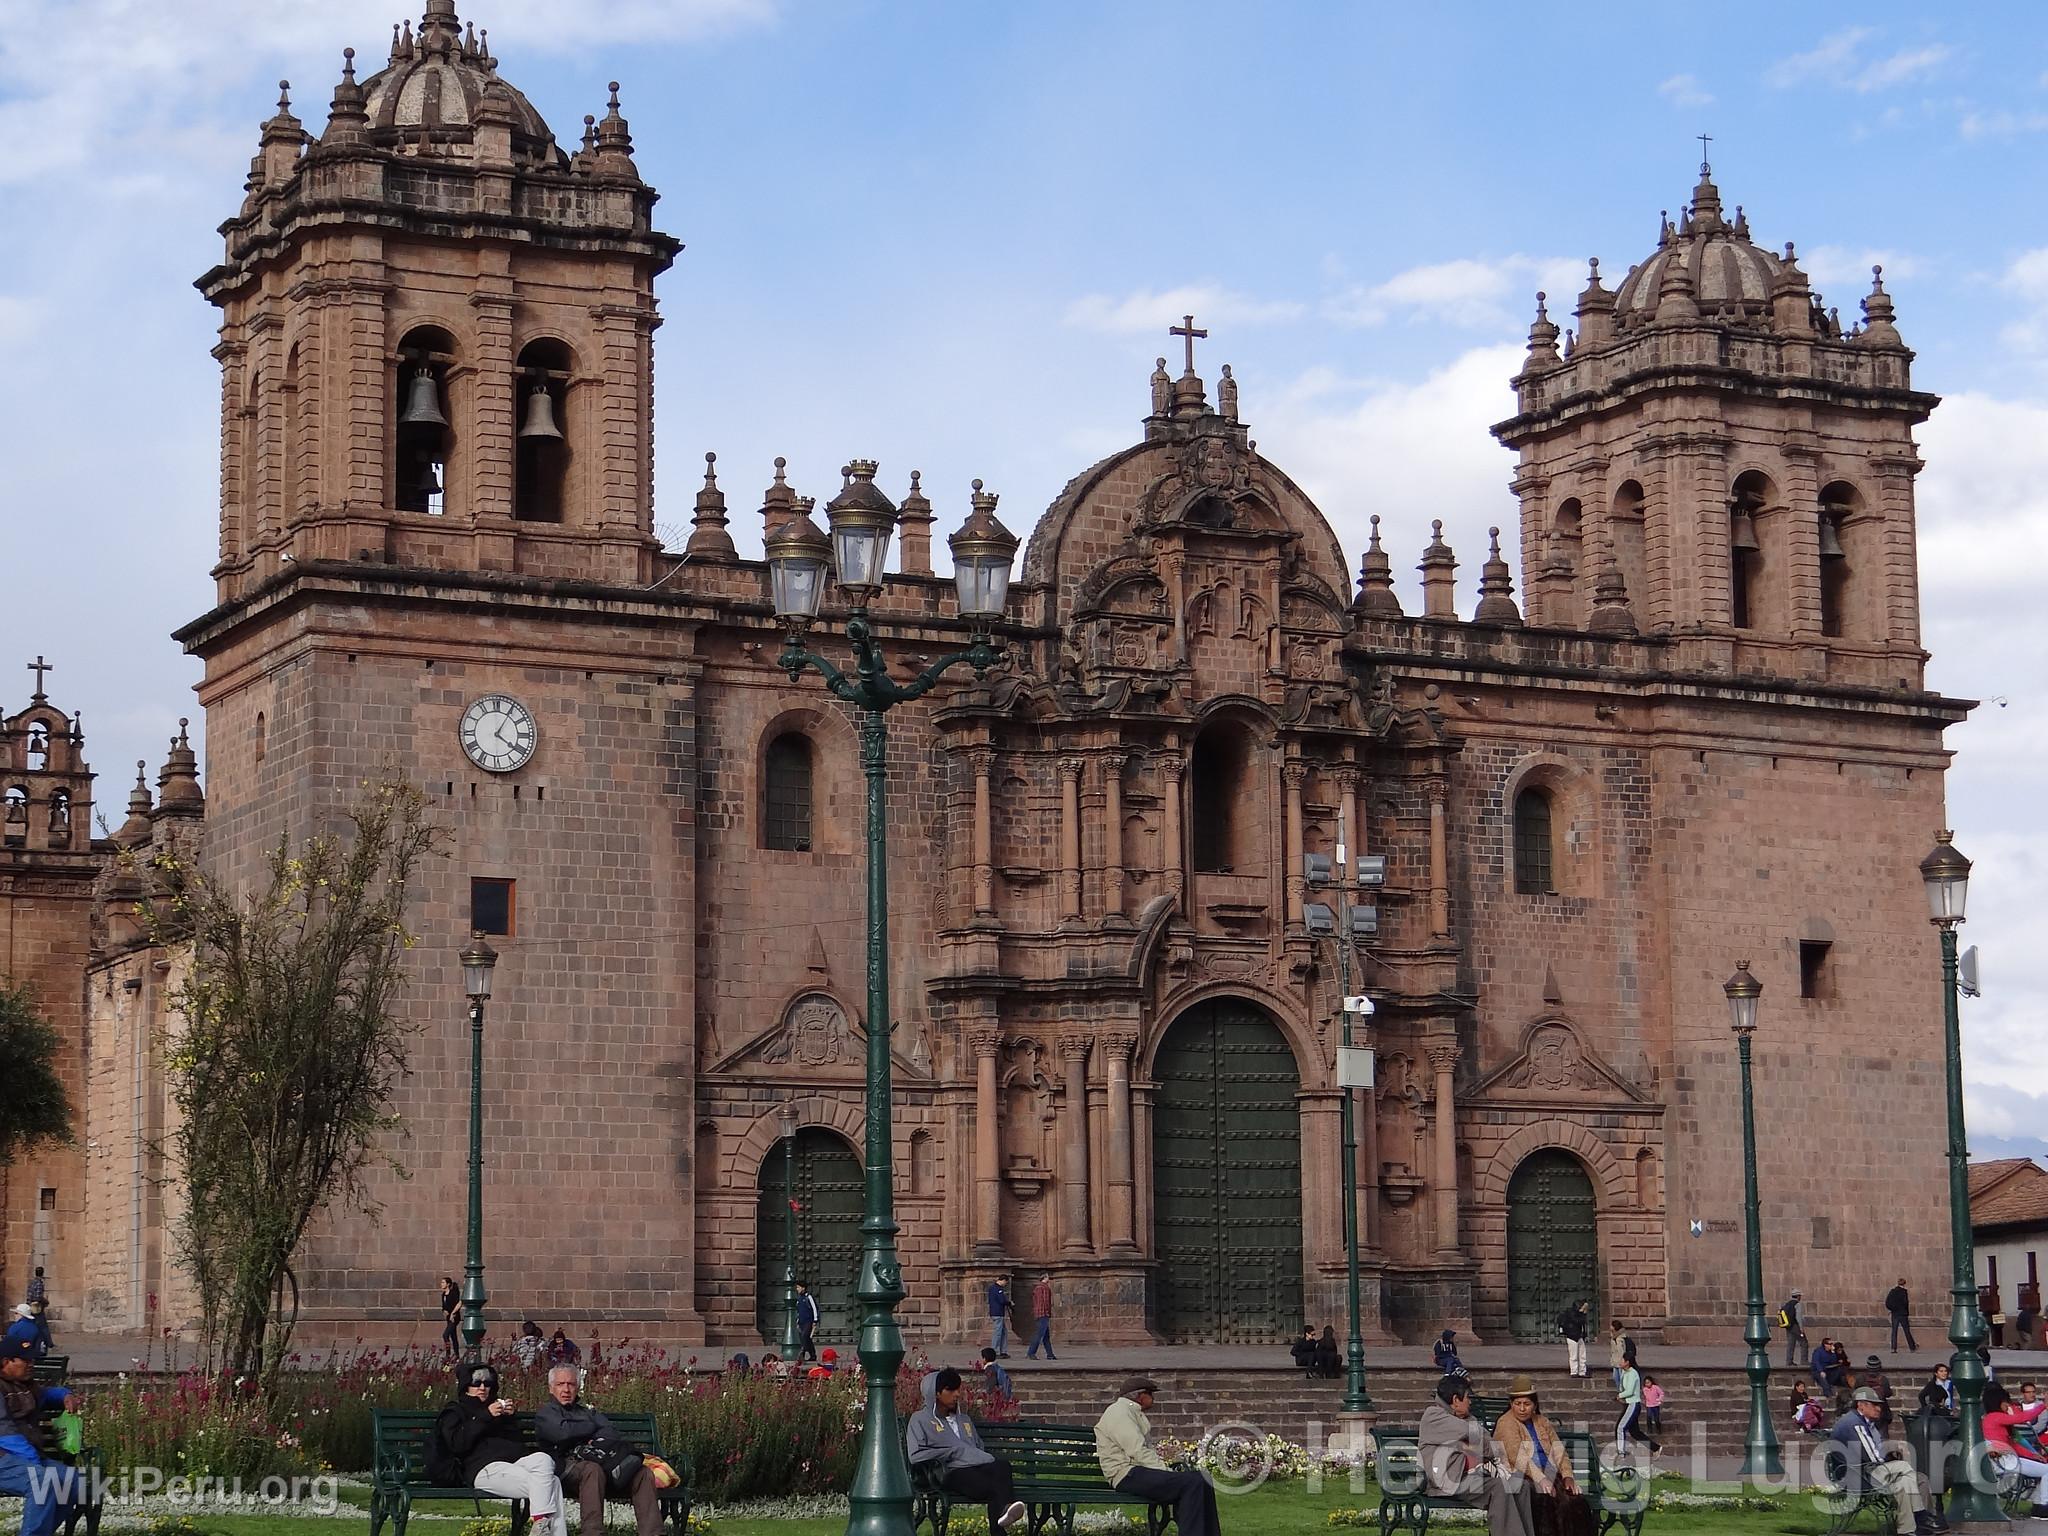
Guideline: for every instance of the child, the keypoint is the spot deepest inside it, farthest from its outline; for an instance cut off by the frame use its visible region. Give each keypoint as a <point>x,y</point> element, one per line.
<point>1809,1416</point>
<point>1653,1405</point>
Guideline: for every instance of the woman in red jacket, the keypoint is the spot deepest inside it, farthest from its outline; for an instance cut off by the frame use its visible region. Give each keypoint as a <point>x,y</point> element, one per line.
<point>2001,1417</point>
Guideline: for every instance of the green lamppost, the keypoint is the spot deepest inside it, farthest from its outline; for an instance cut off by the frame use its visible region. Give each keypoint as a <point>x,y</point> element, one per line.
<point>792,1337</point>
<point>477,961</point>
<point>799,557</point>
<point>1760,1445</point>
<point>1946,874</point>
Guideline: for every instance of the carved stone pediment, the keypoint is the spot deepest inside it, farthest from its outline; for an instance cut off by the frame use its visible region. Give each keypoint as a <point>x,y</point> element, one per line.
<point>815,1038</point>
<point>1555,1063</point>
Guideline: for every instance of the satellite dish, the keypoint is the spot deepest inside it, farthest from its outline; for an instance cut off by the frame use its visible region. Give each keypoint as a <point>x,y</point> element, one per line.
<point>1966,974</point>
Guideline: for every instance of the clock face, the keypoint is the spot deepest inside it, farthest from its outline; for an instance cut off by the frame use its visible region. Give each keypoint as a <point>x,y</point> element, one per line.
<point>498,733</point>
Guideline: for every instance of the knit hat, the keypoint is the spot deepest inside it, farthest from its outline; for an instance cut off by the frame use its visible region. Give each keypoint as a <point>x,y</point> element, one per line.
<point>829,1356</point>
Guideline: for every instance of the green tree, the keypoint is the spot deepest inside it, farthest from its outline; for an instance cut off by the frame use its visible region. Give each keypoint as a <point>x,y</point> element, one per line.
<point>282,1058</point>
<point>34,1108</point>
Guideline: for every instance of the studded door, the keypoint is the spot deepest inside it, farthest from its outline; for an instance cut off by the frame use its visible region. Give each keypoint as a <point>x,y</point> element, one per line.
<point>1226,1175</point>
<point>1553,1242</point>
<point>828,1196</point>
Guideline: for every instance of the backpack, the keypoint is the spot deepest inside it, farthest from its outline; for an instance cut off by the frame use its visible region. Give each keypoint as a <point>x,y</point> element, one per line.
<point>440,1466</point>
<point>1785,1318</point>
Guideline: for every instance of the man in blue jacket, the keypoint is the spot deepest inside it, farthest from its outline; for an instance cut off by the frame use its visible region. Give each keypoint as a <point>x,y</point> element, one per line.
<point>999,1310</point>
<point>47,1487</point>
<point>806,1324</point>
<point>942,1439</point>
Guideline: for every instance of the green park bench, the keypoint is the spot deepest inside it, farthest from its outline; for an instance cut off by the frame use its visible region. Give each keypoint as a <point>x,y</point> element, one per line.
<point>51,1370</point>
<point>92,1486</point>
<point>401,1438</point>
<point>1619,1495</point>
<point>1841,1505</point>
<point>1056,1474</point>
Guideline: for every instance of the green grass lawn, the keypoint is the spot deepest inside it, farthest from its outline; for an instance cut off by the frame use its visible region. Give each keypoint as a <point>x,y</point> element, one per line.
<point>1270,1511</point>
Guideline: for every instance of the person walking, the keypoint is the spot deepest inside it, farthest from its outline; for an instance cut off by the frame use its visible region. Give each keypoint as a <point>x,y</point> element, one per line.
<point>1630,1395</point>
<point>451,1315</point>
<point>39,1299</point>
<point>1131,1463</point>
<point>1571,1324</point>
<point>1792,1318</point>
<point>1898,1305</point>
<point>806,1324</point>
<point>1041,1312</point>
<point>1620,1349</point>
<point>999,1314</point>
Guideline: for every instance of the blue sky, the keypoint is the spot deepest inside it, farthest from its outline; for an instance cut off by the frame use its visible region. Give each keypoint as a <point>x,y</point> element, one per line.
<point>951,237</point>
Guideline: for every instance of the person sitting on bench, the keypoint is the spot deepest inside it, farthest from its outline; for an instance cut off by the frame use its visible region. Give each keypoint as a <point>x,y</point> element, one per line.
<point>943,1438</point>
<point>1131,1463</point>
<point>474,1436</point>
<point>1461,1461</point>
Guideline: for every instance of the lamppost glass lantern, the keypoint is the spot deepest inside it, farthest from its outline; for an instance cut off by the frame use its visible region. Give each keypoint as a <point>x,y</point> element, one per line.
<point>799,557</point>
<point>1946,874</point>
<point>478,960</point>
<point>862,520</point>
<point>983,550</point>
<point>1742,990</point>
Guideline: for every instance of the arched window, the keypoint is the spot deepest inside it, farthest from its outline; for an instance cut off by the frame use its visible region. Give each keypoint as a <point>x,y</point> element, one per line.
<point>786,780</point>
<point>1753,596</point>
<point>1625,526</point>
<point>298,438</point>
<point>423,440</point>
<point>1533,875</point>
<point>1745,558</point>
<point>262,738</point>
<point>39,745</point>
<point>540,475</point>
<point>14,823</point>
<point>1222,760</point>
<point>1838,504</point>
<point>924,1176</point>
<point>60,818</point>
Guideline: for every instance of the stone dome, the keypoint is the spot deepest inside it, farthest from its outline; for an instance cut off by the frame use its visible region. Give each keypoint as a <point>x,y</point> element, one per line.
<point>429,94</point>
<point>1725,268</point>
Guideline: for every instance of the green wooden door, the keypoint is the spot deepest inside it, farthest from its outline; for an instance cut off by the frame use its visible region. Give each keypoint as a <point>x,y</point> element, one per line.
<point>1226,1176</point>
<point>1553,1242</point>
<point>828,1196</point>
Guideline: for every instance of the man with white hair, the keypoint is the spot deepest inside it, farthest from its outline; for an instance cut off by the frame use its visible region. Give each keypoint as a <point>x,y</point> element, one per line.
<point>477,1434</point>
<point>562,1424</point>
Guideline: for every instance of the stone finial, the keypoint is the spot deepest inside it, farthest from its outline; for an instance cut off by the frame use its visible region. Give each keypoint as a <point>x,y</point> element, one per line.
<point>440,32</point>
<point>399,51</point>
<point>709,537</point>
<point>914,529</point>
<point>177,786</point>
<point>1596,309</point>
<point>1439,567</point>
<point>1791,298</point>
<point>134,831</point>
<point>348,119</point>
<point>1543,335</point>
<point>778,501</point>
<point>283,136</point>
<point>1879,331</point>
<point>1162,390</point>
<point>1675,293</point>
<point>615,142</point>
<point>1376,597</point>
<point>1706,203</point>
<point>1611,612</point>
<point>1496,589</point>
<point>1226,395</point>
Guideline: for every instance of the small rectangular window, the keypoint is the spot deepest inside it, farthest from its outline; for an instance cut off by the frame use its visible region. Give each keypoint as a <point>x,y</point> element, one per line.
<point>1814,980</point>
<point>1823,1232</point>
<point>47,1199</point>
<point>491,905</point>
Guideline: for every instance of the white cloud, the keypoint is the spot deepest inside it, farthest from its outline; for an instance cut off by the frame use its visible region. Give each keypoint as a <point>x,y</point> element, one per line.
<point>1833,266</point>
<point>2026,279</point>
<point>2001,125</point>
<point>1685,91</point>
<point>1149,310</point>
<point>1839,62</point>
<point>1489,294</point>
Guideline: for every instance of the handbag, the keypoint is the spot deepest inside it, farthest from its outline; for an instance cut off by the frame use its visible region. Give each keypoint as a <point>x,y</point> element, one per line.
<point>664,1475</point>
<point>619,1462</point>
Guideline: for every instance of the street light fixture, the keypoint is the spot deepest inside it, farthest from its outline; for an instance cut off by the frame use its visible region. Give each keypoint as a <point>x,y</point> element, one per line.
<point>1946,874</point>
<point>862,519</point>
<point>1761,1456</point>
<point>792,1337</point>
<point>478,961</point>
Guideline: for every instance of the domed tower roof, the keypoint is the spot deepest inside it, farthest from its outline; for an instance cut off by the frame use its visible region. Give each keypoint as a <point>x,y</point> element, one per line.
<point>1716,261</point>
<point>428,96</point>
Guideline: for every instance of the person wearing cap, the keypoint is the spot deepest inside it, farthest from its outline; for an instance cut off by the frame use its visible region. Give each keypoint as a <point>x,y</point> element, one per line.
<point>1866,1468</point>
<point>1533,1450</point>
<point>1461,1461</point>
<point>1792,1318</point>
<point>22,1329</point>
<point>1132,1464</point>
<point>826,1368</point>
<point>944,1439</point>
<point>475,1432</point>
<point>27,1443</point>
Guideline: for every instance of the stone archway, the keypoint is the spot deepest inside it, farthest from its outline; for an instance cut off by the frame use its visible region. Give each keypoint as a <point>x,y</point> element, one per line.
<point>827,1190</point>
<point>1226,1161</point>
<point>1553,1241</point>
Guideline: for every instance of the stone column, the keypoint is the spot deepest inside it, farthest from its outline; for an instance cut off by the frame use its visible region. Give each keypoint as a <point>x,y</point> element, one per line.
<point>1113,840</point>
<point>1443,1057</point>
<point>1173,769</point>
<point>1070,837</point>
<point>983,760</point>
<point>1074,1159</point>
<point>1122,1190</point>
<point>488,446</point>
<point>1292,774</point>
<point>988,1220</point>
<point>1439,862</point>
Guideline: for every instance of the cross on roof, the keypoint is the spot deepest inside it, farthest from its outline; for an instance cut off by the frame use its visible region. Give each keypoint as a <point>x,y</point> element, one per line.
<point>1705,139</point>
<point>39,667</point>
<point>1186,329</point>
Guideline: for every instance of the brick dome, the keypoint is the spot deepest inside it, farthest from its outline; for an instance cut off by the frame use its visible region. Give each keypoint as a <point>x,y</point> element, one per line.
<point>429,94</point>
<point>1725,268</point>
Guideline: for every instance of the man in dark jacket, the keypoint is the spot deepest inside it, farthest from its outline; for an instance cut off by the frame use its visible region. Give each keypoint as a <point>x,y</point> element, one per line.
<point>564,1422</point>
<point>1898,1305</point>
<point>476,1432</point>
<point>806,1324</point>
<point>1571,1325</point>
<point>47,1488</point>
<point>942,1440</point>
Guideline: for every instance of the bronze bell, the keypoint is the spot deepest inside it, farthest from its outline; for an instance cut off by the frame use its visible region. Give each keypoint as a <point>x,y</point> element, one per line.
<point>428,483</point>
<point>423,403</point>
<point>540,415</point>
<point>1830,539</point>
<point>1742,531</point>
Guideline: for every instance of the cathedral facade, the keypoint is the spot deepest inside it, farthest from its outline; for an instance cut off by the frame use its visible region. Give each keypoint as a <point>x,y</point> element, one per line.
<point>1122,927</point>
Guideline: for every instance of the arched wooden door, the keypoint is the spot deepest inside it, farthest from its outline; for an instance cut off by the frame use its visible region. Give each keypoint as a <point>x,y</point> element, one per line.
<point>827,1191</point>
<point>1226,1177</point>
<point>1553,1242</point>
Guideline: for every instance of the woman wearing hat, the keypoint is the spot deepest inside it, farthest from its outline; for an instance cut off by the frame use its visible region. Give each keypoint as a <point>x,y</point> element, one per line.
<point>1530,1444</point>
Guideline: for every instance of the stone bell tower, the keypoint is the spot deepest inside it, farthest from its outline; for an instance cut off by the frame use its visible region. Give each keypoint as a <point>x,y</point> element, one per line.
<point>1712,457</point>
<point>436,331</point>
